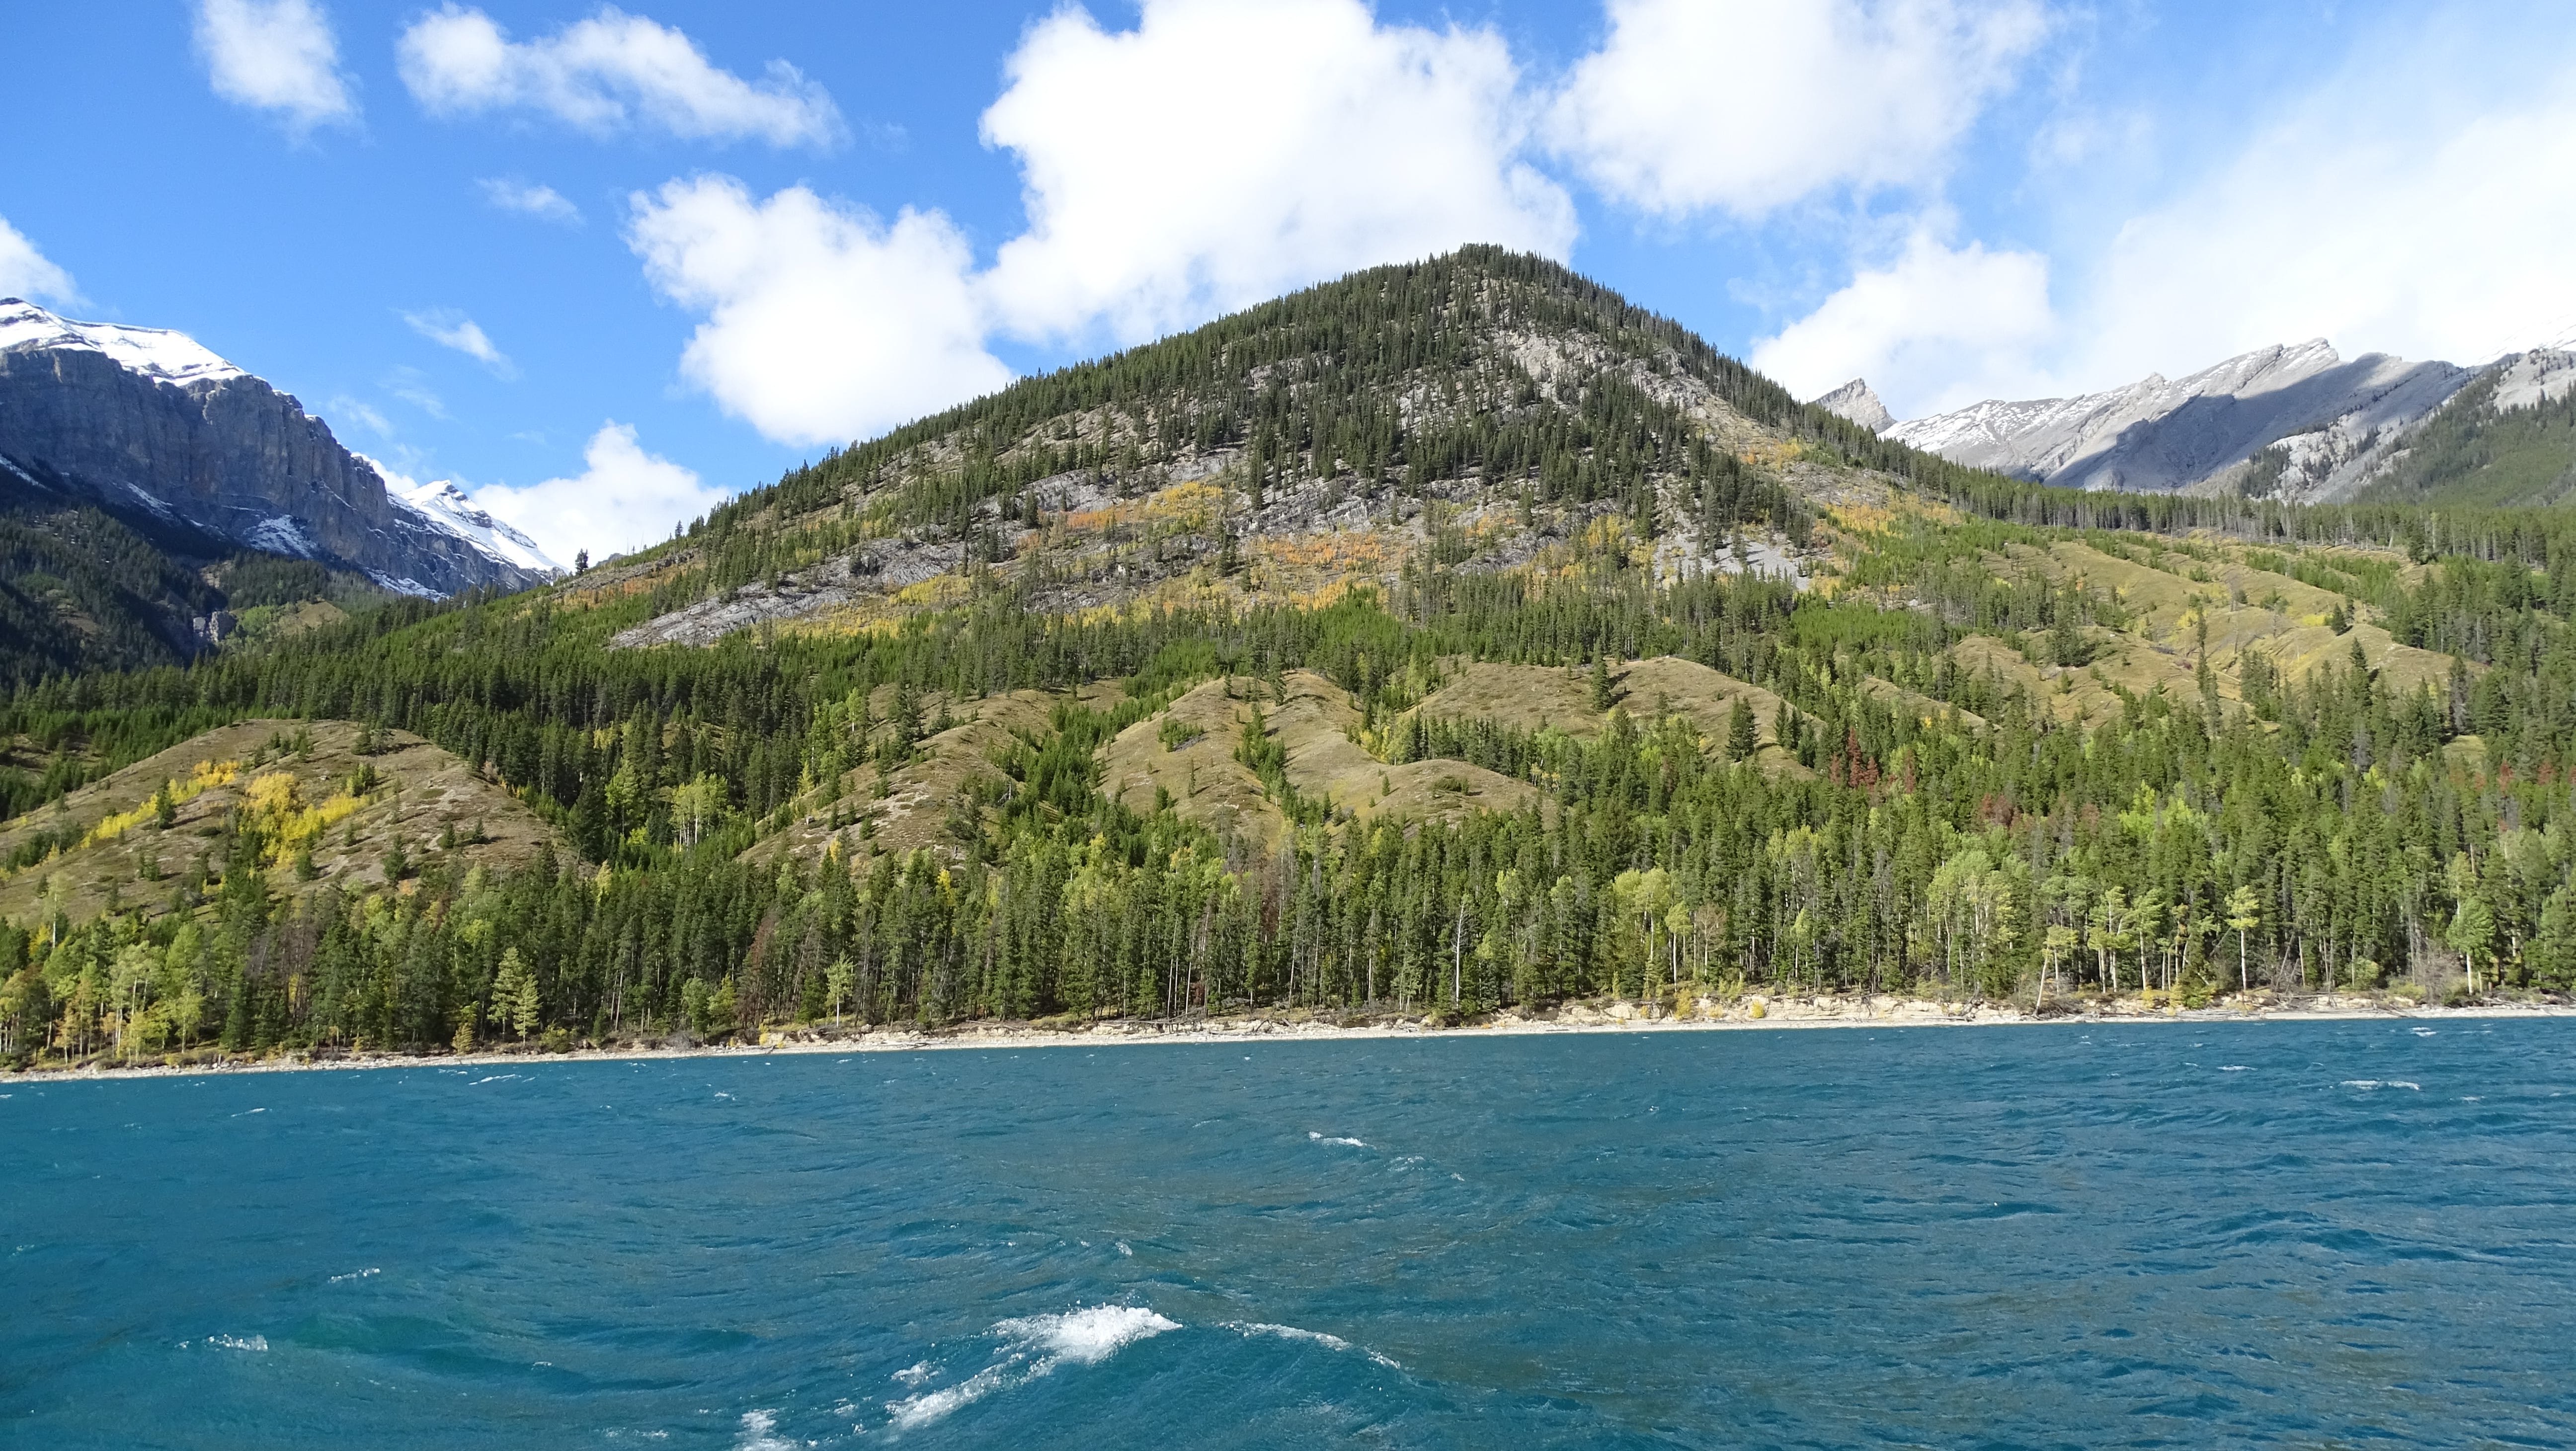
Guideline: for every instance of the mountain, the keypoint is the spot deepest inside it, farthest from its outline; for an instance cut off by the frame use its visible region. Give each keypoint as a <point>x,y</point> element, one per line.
<point>1472,410</point>
<point>1856,401</point>
<point>445,506</point>
<point>1451,641</point>
<point>2508,438</point>
<point>2335,419</point>
<point>152,428</point>
<point>2295,423</point>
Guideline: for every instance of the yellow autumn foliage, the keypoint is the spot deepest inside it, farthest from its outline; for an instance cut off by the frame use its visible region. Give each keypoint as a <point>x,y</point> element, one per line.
<point>207,776</point>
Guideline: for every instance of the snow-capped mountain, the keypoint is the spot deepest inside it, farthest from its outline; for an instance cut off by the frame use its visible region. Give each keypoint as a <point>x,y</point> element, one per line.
<point>2159,435</point>
<point>171,357</point>
<point>152,426</point>
<point>445,505</point>
<point>2323,426</point>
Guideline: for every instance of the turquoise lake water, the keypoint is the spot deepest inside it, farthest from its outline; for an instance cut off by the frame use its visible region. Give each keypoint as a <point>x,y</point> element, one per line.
<point>2306,1234</point>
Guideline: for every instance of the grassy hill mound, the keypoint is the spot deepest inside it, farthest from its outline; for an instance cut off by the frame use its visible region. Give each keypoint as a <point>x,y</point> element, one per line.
<point>317,803</point>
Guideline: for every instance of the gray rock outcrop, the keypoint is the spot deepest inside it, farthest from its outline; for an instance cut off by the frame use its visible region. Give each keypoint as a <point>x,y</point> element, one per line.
<point>1857,401</point>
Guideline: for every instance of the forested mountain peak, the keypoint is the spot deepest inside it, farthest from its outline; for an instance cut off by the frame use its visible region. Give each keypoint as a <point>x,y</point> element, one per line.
<point>1484,406</point>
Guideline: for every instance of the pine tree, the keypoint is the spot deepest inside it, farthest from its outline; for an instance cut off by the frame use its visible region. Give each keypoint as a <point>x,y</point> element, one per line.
<point>1740,738</point>
<point>515,1001</point>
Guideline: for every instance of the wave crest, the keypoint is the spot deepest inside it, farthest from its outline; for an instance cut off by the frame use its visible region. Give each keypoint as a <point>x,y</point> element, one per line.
<point>1032,1346</point>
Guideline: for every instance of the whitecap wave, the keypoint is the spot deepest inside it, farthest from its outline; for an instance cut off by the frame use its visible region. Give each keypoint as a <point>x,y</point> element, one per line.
<point>355,1275</point>
<point>1347,1143</point>
<point>2234,1068</point>
<point>238,1342</point>
<point>758,1433</point>
<point>2402,1083</point>
<point>1250,1328</point>
<point>1032,1347</point>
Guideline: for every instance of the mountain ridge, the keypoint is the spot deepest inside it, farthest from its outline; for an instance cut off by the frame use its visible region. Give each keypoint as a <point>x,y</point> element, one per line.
<point>2293,422</point>
<point>148,420</point>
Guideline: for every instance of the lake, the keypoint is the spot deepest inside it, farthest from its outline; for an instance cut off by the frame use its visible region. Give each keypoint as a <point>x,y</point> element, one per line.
<point>2316,1234</point>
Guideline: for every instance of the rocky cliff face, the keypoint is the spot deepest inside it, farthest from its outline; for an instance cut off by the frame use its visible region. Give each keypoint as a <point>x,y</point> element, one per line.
<point>142,421</point>
<point>1857,401</point>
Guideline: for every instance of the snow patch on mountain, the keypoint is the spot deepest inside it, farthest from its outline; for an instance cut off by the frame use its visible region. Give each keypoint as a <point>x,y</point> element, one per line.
<point>445,507</point>
<point>171,357</point>
<point>281,535</point>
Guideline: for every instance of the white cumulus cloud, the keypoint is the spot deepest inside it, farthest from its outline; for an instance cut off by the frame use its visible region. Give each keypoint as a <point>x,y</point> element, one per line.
<point>2415,202</point>
<point>2389,212</point>
<point>610,73</point>
<point>823,323</point>
<point>622,500</point>
<point>449,328</point>
<point>1344,144</point>
<point>530,200</point>
<point>1934,328</point>
<point>1223,151</point>
<point>275,55</point>
<point>28,273</point>
<point>1745,106</point>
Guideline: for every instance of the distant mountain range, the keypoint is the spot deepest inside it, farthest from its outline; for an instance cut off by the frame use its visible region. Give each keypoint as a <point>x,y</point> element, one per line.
<point>2299,423</point>
<point>149,425</point>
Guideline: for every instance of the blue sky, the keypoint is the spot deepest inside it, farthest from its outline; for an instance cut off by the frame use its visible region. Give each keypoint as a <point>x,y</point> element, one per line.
<point>601,267</point>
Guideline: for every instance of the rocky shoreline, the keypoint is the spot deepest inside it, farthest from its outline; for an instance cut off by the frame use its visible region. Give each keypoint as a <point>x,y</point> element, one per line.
<point>1751,1013</point>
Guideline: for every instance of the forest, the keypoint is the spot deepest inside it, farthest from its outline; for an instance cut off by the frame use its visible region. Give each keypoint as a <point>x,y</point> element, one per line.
<point>2335,829</point>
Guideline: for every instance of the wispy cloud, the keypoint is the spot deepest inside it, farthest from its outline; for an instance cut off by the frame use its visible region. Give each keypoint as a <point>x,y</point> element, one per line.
<point>449,328</point>
<point>613,72</point>
<point>275,55</point>
<point>408,385</point>
<point>357,411</point>
<point>530,199</point>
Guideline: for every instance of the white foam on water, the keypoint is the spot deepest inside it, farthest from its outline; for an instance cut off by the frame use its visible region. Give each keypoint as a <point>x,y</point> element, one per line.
<point>914,1412</point>
<point>2402,1083</point>
<point>1032,1347</point>
<point>355,1275</point>
<point>913,1375</point>
<point>2365,1084</point>
<point>757,1427</point>
<point>2233,1068</point>
<point>2424,1032</point>
<point>1124,1252</point>
<point>1346,1143</point>
<point>238,1342</point>
<point>1248,1329</point>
